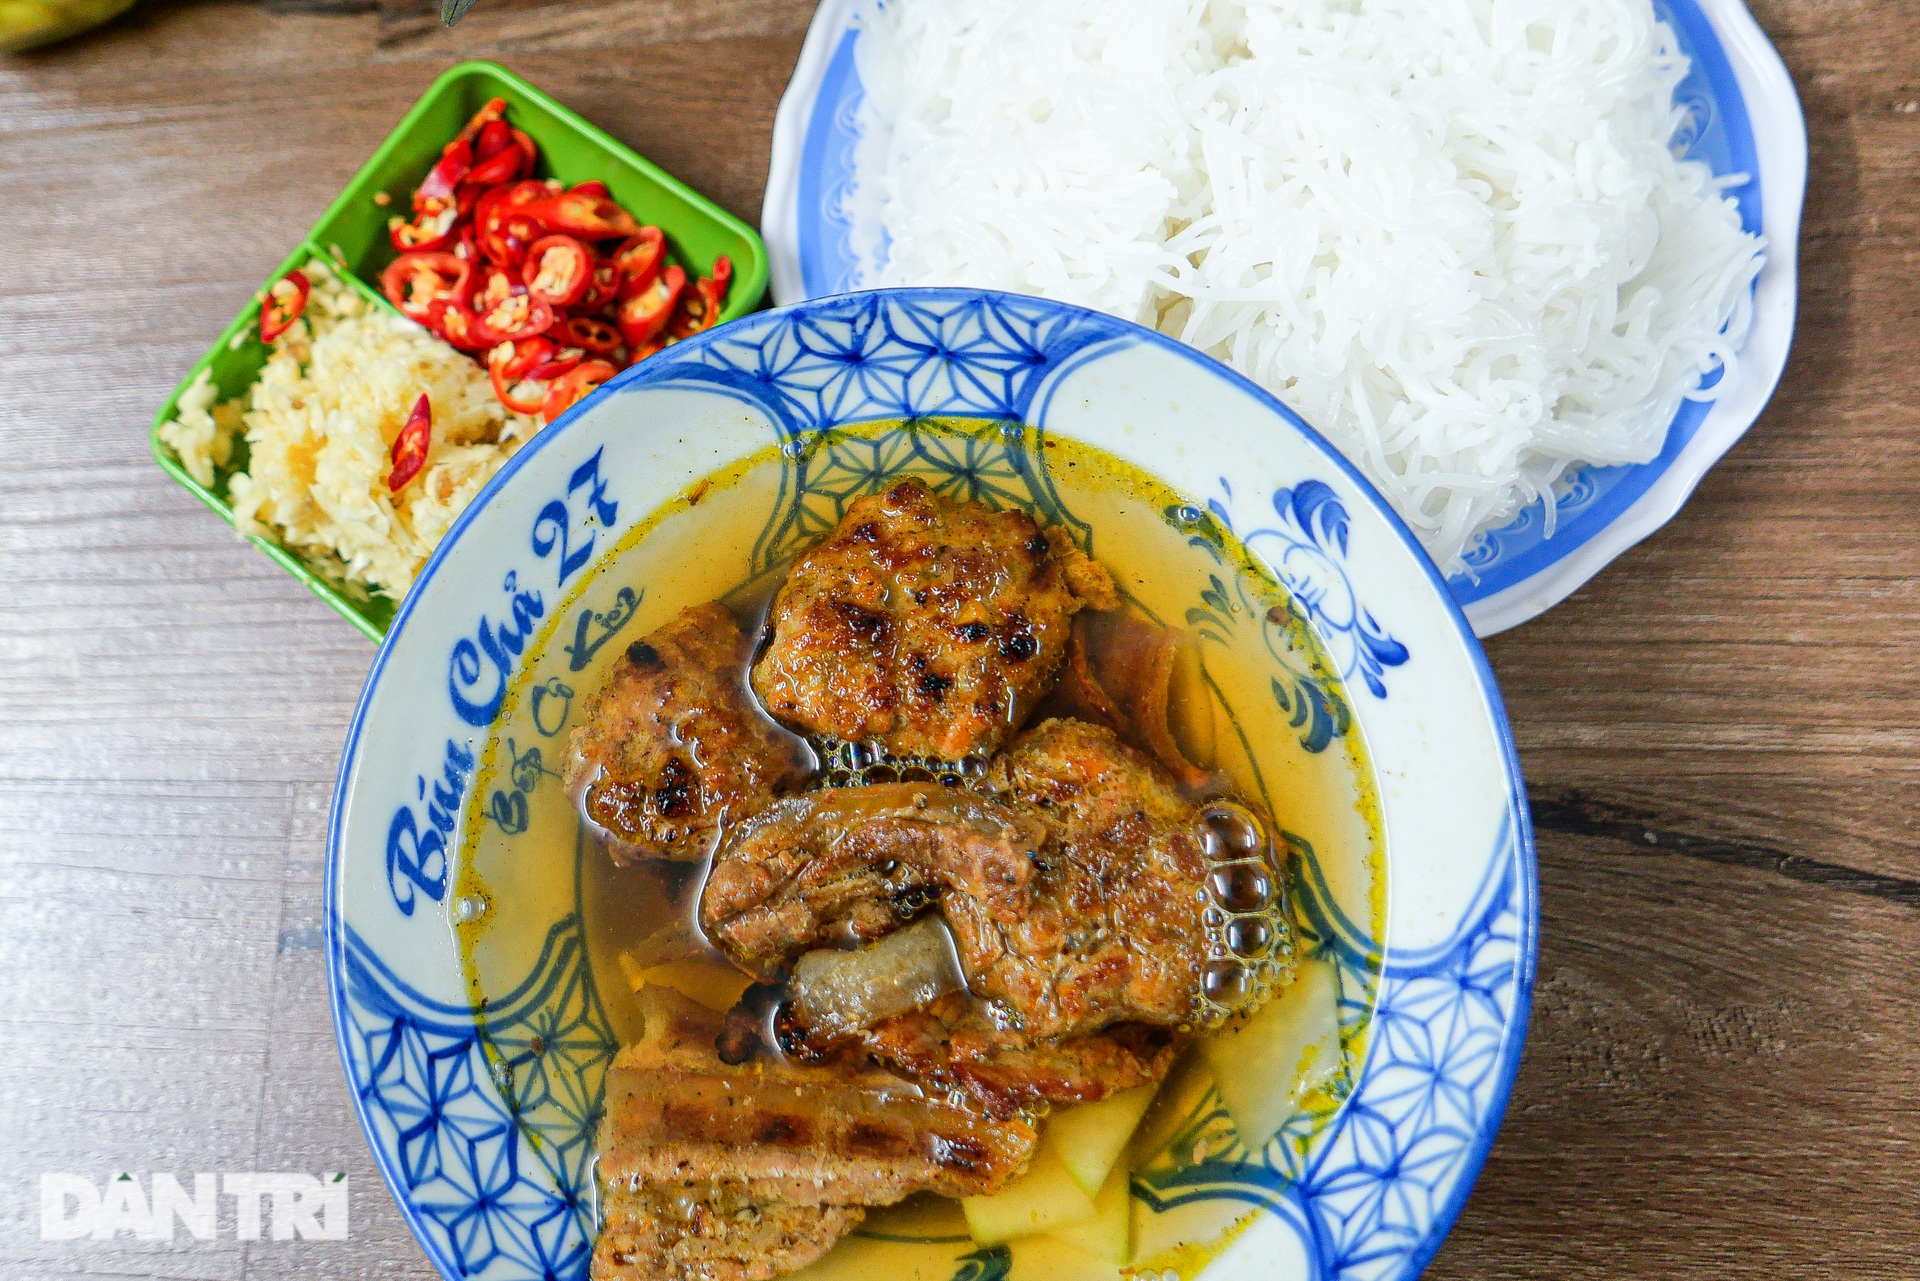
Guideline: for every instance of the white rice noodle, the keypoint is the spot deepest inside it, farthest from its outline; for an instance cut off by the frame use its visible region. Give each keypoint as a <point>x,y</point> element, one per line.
<point>1452,234</point>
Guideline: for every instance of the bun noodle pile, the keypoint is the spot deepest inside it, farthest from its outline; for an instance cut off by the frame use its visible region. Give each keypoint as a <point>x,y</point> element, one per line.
<point>1454,236</point>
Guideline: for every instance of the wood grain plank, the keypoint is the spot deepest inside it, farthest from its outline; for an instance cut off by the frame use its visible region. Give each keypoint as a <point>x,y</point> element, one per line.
<point>1718,1069</point>
<point>114,1062</point>
<point>306,1108</point>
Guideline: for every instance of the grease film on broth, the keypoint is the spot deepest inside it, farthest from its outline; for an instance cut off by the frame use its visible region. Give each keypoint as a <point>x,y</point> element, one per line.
<point>1254,700</point>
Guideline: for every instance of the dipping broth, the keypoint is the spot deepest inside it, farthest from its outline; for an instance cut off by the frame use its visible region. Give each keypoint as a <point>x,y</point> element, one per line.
<point>1246,668</point>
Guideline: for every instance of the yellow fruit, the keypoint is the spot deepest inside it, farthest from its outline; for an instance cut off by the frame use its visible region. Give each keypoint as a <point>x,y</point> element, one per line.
<point>1288,1049</point>
<point>1108,1235</point>
<point>1091,1137</point>
<point>27,23</point>
<point>1045,1197</point>
<point>711,983</point>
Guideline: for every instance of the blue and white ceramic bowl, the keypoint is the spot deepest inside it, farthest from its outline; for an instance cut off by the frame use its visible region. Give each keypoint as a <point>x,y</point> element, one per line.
<point>1744,121</point>
<point>483,1122</point>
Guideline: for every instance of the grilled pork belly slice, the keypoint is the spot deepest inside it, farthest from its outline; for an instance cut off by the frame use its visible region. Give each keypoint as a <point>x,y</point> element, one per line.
<point>711,1232</point>
<point>950,1044</point>
<point>852,864</point>
<point>717,1172</point>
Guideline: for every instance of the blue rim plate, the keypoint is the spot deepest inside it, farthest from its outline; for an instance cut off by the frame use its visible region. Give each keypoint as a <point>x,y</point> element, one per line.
<point>484,1126</point>
<point>1745,119</point>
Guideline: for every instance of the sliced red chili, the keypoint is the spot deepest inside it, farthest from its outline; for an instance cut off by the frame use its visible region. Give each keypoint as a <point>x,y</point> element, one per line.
<point>520,232</point>
<point>448,172</point>
<point>509,164</point>
<point>571,388</point>
<point>526,192</point>
<point>644,315</point>
<point>700,306</point>
<point>532,151</point>
<point>564,360</point>
<point>466,198</point>
<point>414,282</point>
<point>689,317</point>
<point>593,334</point>
<point>494,285</point>
<point>602,289</point>
<point>504,226</point>
<point>457,157</point>
<point>435,227</point>
<point>559,270</point>
<point>411,445</point>
<point>638,260</point>
<point>516,359</point>
<point>284,303</point>
<point>522,395</point>
<point>512,318</point>
<point>592,187</point>
<point>458,325</point>
<point>497,203</point>
<point>494,137</point>
<point>716,286</point>
<point>587,216</point>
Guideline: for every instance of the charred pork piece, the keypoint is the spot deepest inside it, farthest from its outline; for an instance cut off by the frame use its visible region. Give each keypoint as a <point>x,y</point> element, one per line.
<point>711,1232</point>
<point>927,628</point>
<point>852,864</point>
<point>717,1172</point>
<point>1076,899</point>
<point>951,1044</point>
<point>674,745</point>
<point>1127,940</point>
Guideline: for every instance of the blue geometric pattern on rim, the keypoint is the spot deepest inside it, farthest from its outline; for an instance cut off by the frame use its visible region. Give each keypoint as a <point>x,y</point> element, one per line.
<point>1429,1099</point>
<point>449,1106</point>
<point>1002,469</point>
<point>872,356</point>
<point>1717,131</point>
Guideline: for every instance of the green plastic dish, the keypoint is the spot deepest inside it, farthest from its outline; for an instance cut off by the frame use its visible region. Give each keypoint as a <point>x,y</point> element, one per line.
<point>353,231</point>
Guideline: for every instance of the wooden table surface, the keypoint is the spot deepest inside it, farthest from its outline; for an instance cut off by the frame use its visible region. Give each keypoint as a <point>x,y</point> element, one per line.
<point>1721,734</point>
